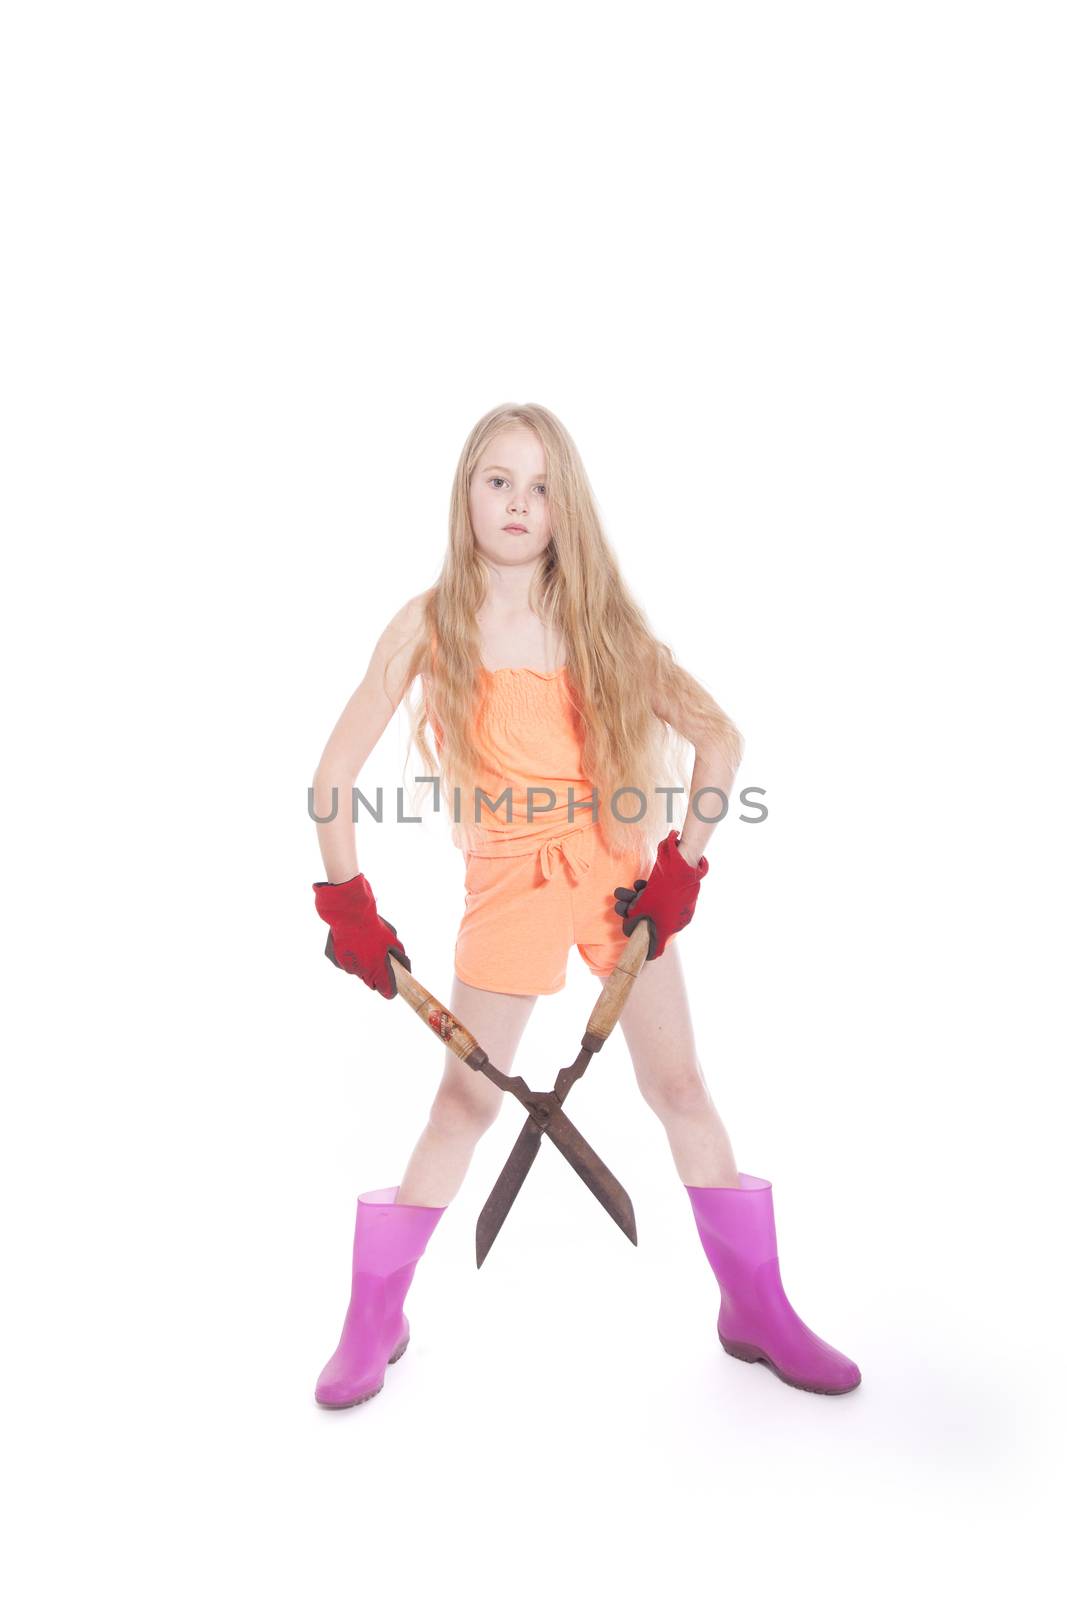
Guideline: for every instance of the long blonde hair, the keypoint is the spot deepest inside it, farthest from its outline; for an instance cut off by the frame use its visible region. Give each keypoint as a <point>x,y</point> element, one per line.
<point>616,668</point>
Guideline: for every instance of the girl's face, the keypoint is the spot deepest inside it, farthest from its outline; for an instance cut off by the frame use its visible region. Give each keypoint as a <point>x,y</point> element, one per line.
<point>507,498</point>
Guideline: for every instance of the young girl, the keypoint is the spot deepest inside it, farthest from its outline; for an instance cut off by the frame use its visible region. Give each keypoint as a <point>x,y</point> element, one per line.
<point>557,715</point>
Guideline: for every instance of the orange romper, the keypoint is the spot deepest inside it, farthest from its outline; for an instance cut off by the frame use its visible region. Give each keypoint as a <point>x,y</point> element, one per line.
<point>544,880</point>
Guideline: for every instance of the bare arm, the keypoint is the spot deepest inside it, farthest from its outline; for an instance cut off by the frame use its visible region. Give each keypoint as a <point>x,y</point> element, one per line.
<point>358,729</point>
<point>712,769</point>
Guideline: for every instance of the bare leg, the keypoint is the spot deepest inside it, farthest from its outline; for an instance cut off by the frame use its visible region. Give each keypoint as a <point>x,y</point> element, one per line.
<point>659,1035</point>
<point>466,1103</point>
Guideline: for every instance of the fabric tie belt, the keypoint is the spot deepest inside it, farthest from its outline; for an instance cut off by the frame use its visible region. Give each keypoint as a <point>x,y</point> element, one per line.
<point>573,848</point>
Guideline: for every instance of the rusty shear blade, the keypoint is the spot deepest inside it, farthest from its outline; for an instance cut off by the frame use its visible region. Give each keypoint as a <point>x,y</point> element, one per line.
<point>544,1107</point>
<point>585,1161</point>
<point>524,1151</point>
<point>511,1179</point>
<point>592,1171</point>
<point>514,1172</point>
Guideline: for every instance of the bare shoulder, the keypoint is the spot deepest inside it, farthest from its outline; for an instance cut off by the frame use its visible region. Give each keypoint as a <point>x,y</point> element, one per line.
<point>376,698</point>
<point>390,664</point>
<point>668,705</point>
<point>406,624</point>
<point>662,692</point>
<point>682,701</point>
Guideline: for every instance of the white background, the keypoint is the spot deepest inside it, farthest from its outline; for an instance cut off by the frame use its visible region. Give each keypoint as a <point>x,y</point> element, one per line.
<point>793,278</point>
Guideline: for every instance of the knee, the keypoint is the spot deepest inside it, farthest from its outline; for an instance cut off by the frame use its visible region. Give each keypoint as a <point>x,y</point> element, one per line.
<point>677,1092</point>
<point>469,1111</point>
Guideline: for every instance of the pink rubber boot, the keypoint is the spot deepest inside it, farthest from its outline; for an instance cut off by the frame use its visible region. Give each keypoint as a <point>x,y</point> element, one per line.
<point>756,1321</point>
<point>389,1241</point>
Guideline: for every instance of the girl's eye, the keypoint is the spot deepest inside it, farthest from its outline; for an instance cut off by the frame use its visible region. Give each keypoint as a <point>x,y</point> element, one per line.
<point>543,487</point>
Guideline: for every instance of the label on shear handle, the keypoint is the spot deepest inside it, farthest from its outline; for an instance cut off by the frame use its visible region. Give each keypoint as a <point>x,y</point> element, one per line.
<point>442,1022</point>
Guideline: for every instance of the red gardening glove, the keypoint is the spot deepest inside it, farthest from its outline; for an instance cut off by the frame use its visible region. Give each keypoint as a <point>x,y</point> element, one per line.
<point>359,940</point>
<point>666,900</point>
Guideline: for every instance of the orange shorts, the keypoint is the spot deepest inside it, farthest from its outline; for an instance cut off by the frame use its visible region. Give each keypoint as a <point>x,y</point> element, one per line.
<point>523,913</point>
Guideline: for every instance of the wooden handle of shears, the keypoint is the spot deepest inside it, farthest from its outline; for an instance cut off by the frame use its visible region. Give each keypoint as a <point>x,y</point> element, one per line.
<point>613,996</point>
<point>436,1016</point>
<point>462,1042</point>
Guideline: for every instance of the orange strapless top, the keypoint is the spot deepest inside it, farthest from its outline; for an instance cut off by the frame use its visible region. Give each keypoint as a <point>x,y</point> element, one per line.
<point>531,739</point>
